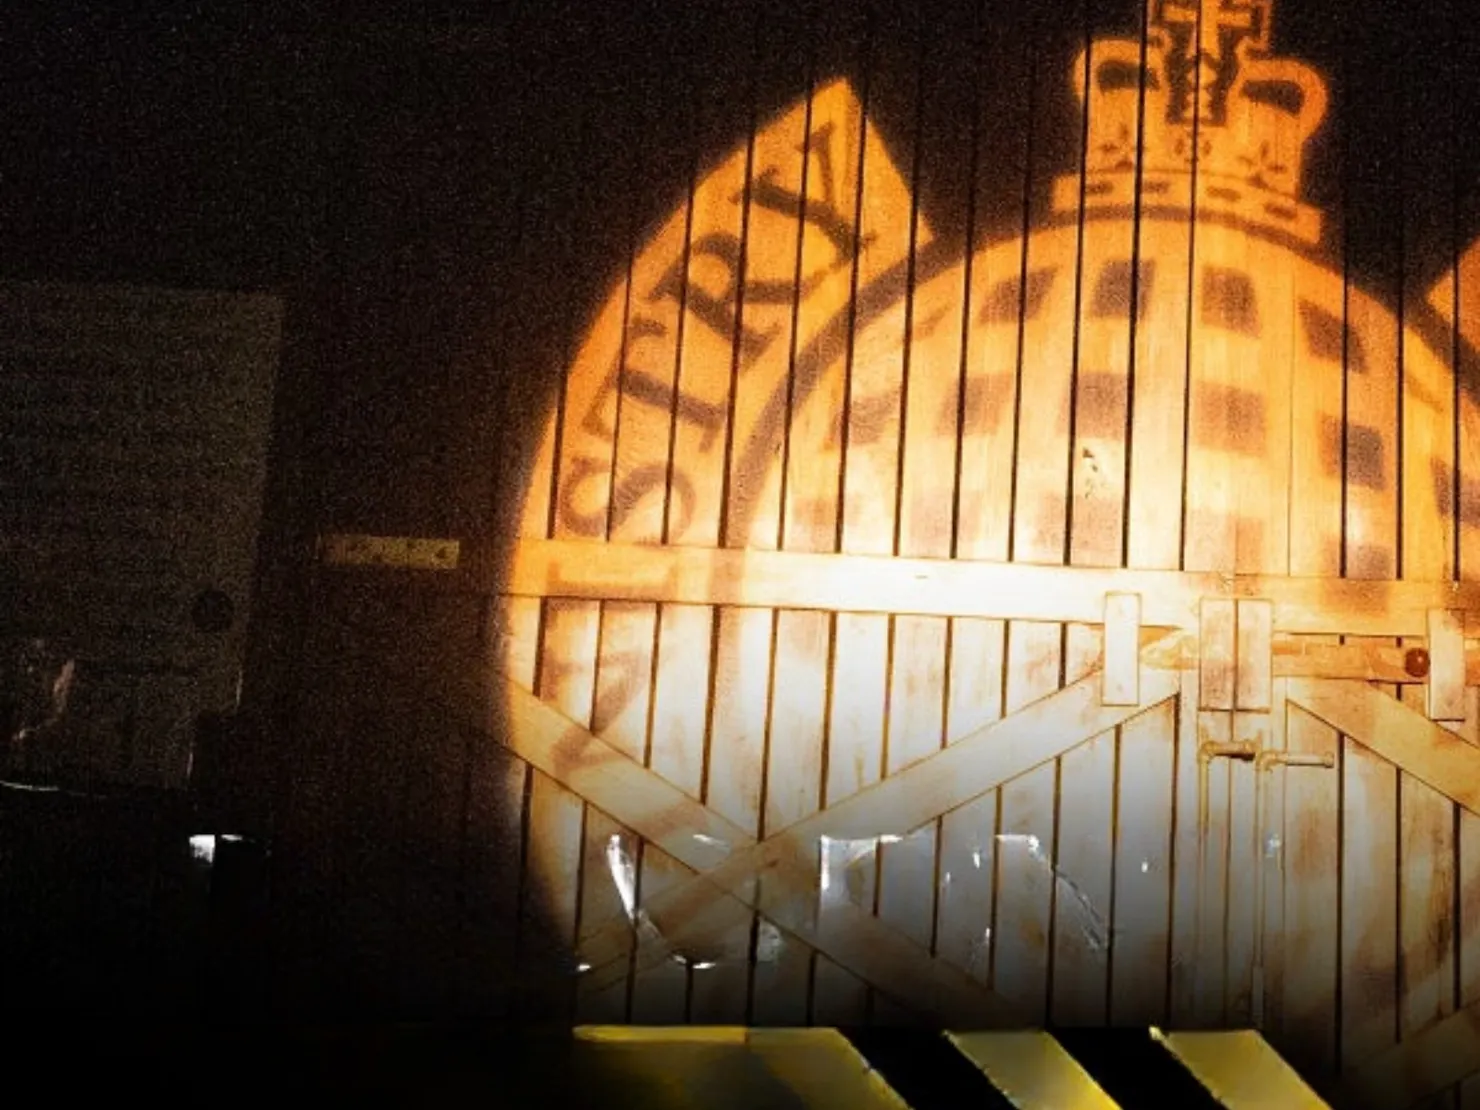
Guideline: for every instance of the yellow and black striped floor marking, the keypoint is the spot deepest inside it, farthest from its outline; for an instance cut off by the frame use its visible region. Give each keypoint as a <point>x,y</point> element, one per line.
<point>877,1069</point>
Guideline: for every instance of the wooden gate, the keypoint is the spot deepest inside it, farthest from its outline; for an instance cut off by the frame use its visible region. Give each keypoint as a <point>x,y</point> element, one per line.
<point>1260,679</point>
<point>909,627</point>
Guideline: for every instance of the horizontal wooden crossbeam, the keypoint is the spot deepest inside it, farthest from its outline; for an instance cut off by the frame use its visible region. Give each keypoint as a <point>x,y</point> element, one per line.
<point>964,588</point>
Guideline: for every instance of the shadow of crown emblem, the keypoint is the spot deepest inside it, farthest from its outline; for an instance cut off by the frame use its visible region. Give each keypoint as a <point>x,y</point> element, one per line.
<point>1226,123</point>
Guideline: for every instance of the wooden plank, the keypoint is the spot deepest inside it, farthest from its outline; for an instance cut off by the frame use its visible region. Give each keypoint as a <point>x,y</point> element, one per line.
<point>855,761</point>
<point>916,730</point>
<point>1122,648</point>
<point>1369,849</point>
<point>764,325</point>
<point>1043,307</point>
<point>962,588</point>
<point>1369,912</point>
<point>1083,863</point>
<point>1311,855</point>
<point>1417,746</point>
<point>968,840</point>
<point>635,409</point>
<point>1210,1000</point>
<point>969,847</point>
<point>1104,337</point>
<point>986,434</point>
<point>1464,288</point>
<point>1255,674</point>
<point>711,349</point>
<point>1143,869</point>
<point>737,744</point>
<point>793,789</point>
<point>1303,860</point>
<point>872,433</point>
<point>1155,920</point>
<point>920,655</point>
<point>1217,655</point>
<point>1446,687</point>
<point>1025,869</point>
<point>811,509</point>
<point>1427,535</point>
<point>1271,916</point>
<point>1468,868</point>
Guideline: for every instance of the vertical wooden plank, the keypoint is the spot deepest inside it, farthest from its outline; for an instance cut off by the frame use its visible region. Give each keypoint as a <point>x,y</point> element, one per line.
<point>1122,660</point>
<point>1102,356</point>
<point>1369,849</point>
<point>1427,847</point>
<point>921,646</point>
<point>1302,860</point>
<point>1156,872</point>
<point>855,760</point>
<point>871,435</point>
<point>968,845</point>
<point>742,668</point>
<point>754,510</point>
<point>1468,869</point>
<point>556,825</point>
<point>675,750</point>
<point>1446,687</point>
<point>1462,292</point>
<point>968,836</point>
<point>811,509</point>
<point>1141,945</point>
<point>705,405</point>
<point>643,377</point>
<point>1025,878</point>
<point>1255,676</point>
<point>1028,825</point>
<point>1084,860</point>
<point>1209,999</point>
<point>1217,655</point>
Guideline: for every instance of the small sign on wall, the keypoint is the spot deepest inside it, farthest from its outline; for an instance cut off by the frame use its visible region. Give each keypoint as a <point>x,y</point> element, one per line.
<point>395,552</point>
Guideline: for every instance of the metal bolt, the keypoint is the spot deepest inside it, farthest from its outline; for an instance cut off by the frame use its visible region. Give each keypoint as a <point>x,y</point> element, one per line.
<point>1416,662</point>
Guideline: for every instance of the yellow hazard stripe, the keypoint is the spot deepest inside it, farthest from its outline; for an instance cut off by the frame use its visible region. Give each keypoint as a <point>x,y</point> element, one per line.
<point>676,1067</point>
<point>663,1034</point>
<point>1240,1070</point>
<point>1033,1070</point>
<point>824,1069</point>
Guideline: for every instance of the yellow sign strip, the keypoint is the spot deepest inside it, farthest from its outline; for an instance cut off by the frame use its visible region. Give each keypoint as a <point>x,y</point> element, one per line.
<point>1033,1070</point>
<point>398,552</point>
<point>1240,1070</point>
<point>726,1066</point>
<point>824,1069</point>
<point>660,1034</point>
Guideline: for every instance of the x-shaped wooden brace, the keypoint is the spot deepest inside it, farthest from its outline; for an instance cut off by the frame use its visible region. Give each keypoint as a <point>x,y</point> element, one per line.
<point>786,864</point>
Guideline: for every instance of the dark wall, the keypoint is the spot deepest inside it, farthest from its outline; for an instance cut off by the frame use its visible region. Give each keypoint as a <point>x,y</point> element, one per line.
<point>443,194</point>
